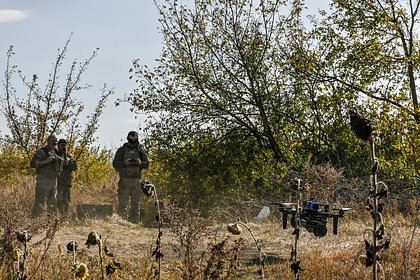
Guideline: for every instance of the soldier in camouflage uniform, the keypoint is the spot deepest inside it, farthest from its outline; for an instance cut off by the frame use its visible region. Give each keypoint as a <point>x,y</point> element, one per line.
<point>48,165</point>
<point>129,161</point>
<point>65,179</point>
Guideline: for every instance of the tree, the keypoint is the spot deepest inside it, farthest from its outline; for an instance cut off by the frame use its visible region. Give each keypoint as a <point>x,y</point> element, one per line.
<point>42,112</point>
<point>236,74</point>
<point>370,49</point>
<point>225,71</point>
<point>382,35</point>
<point>251,73</point>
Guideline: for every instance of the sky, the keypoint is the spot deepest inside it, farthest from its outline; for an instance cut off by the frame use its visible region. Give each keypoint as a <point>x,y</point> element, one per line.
<point>123,30</point>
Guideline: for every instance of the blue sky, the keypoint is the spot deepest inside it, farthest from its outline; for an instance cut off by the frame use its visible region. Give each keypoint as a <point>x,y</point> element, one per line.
<point>122,30</point>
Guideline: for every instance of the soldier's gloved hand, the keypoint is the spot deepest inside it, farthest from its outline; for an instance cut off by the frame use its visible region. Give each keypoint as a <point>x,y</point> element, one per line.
<point>47,160</point>
<point>132,161</point>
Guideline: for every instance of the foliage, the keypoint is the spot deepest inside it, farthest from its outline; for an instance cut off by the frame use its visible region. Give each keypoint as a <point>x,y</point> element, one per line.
<point>13,165</point>
<point>223,74</point>
<point>370,50</point>
<point>225,101</point>
<point>250,76</point>
<point>212,172</point>
<point>53,110</point>
<point>94,166</point>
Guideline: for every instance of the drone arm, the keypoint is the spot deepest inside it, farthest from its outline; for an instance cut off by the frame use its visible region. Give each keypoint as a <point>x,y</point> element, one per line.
<point>335,224</point>
<point>284,219</point>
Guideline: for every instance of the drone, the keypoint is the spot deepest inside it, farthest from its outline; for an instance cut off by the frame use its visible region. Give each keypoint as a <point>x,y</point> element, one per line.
<point>313,216</point>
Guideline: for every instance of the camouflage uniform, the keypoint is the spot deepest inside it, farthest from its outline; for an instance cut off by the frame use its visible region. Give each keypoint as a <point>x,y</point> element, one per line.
<point>64,183</point>
<point>129,185</point>
<point>46,180</point>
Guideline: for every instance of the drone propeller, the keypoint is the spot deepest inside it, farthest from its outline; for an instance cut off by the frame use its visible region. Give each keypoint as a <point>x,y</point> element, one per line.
<point>345,209</point>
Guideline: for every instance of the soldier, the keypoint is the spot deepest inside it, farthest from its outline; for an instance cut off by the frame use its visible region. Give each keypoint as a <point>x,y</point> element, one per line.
<point>129,161</point>
<point>48,165</point>
<point>65,179</point>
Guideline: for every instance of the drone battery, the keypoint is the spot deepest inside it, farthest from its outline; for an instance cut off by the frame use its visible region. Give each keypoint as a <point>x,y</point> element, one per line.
<point>315,205</point>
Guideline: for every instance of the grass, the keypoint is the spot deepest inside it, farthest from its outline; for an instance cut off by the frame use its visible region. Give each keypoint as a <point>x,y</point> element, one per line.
<point>196,247</point>
<point>331,257</point>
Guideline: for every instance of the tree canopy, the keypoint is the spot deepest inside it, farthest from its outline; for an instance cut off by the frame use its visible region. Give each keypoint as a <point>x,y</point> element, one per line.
<point>255,76</point>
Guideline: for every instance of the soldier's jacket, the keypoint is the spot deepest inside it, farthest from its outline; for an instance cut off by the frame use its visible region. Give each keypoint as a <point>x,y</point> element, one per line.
<point>50,169</point>
<point>65,178</point>
<point>130,152</point>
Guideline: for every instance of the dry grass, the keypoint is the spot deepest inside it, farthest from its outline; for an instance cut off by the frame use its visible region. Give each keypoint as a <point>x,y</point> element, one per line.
<point>201,248</point>
<point>331,257</point>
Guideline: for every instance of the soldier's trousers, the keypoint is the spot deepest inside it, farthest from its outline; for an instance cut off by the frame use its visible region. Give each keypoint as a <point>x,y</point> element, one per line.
<point>45,195</point>
<point>129,191</point>
<point>63,198</point>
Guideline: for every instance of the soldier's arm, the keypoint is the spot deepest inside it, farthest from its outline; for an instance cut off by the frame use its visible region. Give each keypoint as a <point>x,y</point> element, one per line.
<point>39,159</point>
<point>143,158</point>
<point>118,161</point>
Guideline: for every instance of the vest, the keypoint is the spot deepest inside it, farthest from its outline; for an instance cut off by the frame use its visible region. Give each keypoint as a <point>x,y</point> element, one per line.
<point>50,169</point>
<point>66,175</point>
<point>131,171</point>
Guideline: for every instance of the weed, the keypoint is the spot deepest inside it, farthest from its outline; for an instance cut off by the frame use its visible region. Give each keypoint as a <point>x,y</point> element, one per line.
<point>236,229</point>
<point>150,190</point>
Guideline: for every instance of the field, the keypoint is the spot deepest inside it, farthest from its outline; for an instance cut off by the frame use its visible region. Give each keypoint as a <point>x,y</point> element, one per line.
<point>197,247</point>
<point>330,257</point>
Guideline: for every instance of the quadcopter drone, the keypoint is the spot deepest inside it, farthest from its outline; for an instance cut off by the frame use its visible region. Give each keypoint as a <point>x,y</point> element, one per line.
<point>313,216</point>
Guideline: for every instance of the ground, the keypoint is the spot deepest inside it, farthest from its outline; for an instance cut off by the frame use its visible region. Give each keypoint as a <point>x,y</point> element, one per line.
<point>135,242</point>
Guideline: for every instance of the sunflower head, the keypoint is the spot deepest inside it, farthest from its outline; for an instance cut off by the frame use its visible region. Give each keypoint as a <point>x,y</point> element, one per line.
<point>112,266</point>
<point>93,239</point>
<point>80,271</point>
<point>72,246</point>
<point>24,236</point>
<point>234,228</point>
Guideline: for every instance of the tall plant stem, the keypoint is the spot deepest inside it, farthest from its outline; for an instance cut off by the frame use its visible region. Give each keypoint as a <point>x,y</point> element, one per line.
<point>258,245</point>
<point>101,260</point>
<point>374,186</point>
<point>297,224</point>
<point>160,222</point>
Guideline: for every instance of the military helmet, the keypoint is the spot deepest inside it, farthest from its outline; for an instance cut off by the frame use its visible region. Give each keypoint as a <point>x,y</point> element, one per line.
<point>62,141</point>
<point>133,134</point>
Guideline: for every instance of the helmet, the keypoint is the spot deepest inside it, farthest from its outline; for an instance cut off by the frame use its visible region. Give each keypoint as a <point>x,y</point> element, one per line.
<point>133,137</point>
<point>62,141</point>
<point>132,134</point>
